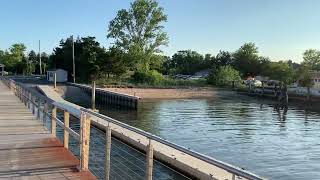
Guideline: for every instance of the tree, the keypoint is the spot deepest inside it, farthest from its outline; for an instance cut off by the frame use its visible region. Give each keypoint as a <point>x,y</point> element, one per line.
<point>91,59</point>
<point>138,32</point>
<point>31,62</point>
<point>113,62</point>
<point>280,71</point>
<point>224,75</point>
<point>305,79</point>
<point>223,58</point>
<point>14,56</point>
<point>187,62</point>
<point>311,58</point>
<point>247,60</point>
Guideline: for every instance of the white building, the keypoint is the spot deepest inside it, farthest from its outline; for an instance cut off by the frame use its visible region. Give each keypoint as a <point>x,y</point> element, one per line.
<point>315,75</point>
<point>61,75</point>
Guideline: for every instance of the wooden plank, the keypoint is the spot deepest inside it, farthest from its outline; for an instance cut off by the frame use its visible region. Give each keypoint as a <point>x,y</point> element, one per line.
<point>27,149</point>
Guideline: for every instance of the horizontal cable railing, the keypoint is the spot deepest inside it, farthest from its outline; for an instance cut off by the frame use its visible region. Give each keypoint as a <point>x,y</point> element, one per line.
<point>114,150</point>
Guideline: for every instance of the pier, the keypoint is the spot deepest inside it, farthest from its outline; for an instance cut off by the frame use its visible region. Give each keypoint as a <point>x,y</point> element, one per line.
<point>27,149</point>
<point>51,124</point>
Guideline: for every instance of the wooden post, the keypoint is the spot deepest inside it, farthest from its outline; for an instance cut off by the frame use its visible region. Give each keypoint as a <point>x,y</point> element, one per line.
<point>53,121</point>
<point>108,151</point>
<point>233,177</point>
<point>149,160</point>
<point>29,103</point>
<point>66,133</point>
<point>55,80</point>
<point>85,140</point>
<point>38,108</point>
<point>33,104</point>
<point>23,96</point>
<point>44,115</point>
<point>93,96</point>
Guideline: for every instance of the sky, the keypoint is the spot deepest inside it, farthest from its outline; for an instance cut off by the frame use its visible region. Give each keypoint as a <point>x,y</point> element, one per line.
<point>282,29</point>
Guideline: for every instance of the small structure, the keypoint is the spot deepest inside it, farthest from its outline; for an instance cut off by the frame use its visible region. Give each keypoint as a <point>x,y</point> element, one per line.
<point>2,69</point>
<point>315,76</point>
<point>61,75</point>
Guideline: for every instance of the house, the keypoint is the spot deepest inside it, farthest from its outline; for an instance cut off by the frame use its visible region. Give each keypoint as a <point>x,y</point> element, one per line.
<point>315,76</point>
<point>262,78</point>
<point>61,75</point>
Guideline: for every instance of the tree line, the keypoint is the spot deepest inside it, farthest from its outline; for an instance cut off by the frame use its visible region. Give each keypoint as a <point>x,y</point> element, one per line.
<point>138,34</point>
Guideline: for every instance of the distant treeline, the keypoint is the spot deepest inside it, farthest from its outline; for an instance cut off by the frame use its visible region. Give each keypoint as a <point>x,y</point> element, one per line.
<point>138,34</point>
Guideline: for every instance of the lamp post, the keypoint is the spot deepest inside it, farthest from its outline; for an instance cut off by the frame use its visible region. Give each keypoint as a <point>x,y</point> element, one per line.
<point>40,59</point>
<point>73,63</point>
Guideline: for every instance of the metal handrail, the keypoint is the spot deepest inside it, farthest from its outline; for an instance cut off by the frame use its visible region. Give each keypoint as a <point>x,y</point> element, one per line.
<point>230,168</point>
<point>48,100</point>
<point>102,90</point>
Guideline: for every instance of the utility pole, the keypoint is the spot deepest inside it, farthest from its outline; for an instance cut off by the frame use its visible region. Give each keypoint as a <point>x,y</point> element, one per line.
<point>73,63</point>
<point>40,59</point>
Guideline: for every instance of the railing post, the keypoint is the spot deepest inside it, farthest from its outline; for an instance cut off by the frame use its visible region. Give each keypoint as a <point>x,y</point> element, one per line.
<point>233,177</point>
<point>93,95</point>
<point>18,92</point>
<point>38,108</point>
<point>24,96</point>
<point>44,113</point>
<point>53,121</point>
<point>108,151</point>
<point>85,140</point>
<point>29,103</point>
<point>149,160</point>
<point>66,133</point>
<point>33,104</point>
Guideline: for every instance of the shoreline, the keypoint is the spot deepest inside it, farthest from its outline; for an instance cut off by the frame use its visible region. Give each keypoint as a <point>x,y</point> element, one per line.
<point>169,93</point>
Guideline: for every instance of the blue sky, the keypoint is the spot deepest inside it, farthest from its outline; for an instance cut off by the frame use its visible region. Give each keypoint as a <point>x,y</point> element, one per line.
<point>282,29</point>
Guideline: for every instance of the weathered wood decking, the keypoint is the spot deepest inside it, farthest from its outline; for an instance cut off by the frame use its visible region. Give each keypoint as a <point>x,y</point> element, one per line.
<point>27,149</point>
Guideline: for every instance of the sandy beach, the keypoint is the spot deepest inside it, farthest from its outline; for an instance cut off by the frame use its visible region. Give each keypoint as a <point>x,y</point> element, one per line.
<point>159,93</point>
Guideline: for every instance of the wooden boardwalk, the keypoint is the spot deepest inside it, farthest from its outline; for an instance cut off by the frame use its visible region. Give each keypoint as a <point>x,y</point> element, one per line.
<point>27,149</point>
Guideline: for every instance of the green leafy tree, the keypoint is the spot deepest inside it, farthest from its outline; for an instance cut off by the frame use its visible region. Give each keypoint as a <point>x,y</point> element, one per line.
<point>224,75</point>
<point>305,78</point>
<point>187,62</point>
<point>114,62</point>
<point>223,58</point>
<point>280,71</point>
<point>311,58</point>
<point>248,61</point>
<point>13,57</point>
<point>91,59</point>
<point>138,32</point>
<point>31,62</point>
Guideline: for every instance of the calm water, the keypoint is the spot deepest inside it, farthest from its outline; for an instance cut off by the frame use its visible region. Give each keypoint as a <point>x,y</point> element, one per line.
<point>245,132</point>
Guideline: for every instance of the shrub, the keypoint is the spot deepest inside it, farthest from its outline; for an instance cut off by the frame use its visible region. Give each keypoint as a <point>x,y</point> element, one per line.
<point>151,77</point>
<point>224,76</point>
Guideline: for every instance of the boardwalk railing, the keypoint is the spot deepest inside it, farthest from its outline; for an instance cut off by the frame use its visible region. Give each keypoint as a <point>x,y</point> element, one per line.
<point>194,164</point>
